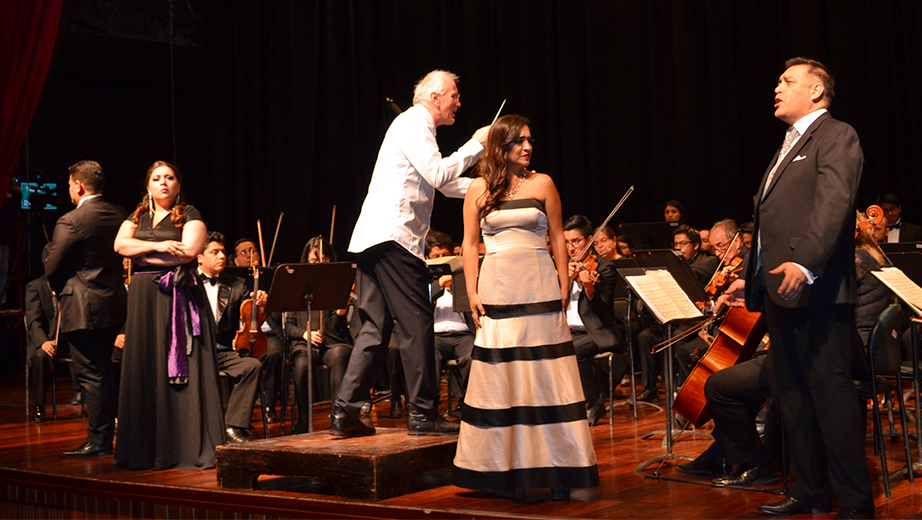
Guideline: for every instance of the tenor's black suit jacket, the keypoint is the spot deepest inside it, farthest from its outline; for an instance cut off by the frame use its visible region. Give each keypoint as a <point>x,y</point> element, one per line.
<point>807,216</point>
<point>84,270</point>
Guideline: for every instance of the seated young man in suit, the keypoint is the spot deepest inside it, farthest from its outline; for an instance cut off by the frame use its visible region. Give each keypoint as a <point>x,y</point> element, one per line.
<point>225,293</point>
<point>898,230</point>
<point>454,338</point>
<point>590,313</point>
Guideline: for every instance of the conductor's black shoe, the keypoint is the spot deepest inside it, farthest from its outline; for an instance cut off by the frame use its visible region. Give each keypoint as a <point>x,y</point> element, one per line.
<point>342,425</point>
<point>792,506</point>
<point>595,414</point>
<point>301,426</point>
<point>705,467</point>
<point>761,475</point>
<point>77,400</point>
<point>88,450</point>
<point>271,416</point>
<point>649,396</point>
<point>421,424</point>
<point>850,512</point>
<point>396,409</point>
<point>236,435</point>
<point>38,415</point>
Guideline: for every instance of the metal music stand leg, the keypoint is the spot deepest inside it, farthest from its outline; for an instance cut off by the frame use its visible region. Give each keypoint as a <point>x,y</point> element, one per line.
<point>285,366</point>
<point>669,383</point>
<point>632,402</point>
<point>310,371</point>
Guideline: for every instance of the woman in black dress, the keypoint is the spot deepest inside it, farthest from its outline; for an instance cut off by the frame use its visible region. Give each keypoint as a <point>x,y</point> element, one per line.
<point>169,407</point>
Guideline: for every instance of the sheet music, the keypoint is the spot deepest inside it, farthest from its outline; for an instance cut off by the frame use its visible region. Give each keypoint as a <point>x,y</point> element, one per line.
<point>900,284</point>
<point>454,262</point>
<point>663,296</point>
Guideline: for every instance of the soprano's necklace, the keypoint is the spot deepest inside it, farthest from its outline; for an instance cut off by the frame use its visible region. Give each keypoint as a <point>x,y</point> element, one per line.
<point>522,176</point>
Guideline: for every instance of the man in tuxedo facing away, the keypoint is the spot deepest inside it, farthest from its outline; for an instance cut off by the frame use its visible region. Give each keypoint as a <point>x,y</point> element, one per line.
<point>85,272</point>
<point>802,275</point>
<point>225,294</point>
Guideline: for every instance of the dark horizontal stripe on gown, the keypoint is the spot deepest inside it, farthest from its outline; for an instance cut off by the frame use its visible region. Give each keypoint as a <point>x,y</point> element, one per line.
<point>523,415</point>
<point>526,478</point>
<point>498,312</point>
<point>505,355</point>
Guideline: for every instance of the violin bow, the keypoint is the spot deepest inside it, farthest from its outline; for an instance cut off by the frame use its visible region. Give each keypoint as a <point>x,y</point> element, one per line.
<point>259,231</point>
<point>607,219</point>
<point>275,239</point>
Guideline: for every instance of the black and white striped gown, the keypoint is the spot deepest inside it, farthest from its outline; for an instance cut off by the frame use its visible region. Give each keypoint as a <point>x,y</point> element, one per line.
<point>524,415</point>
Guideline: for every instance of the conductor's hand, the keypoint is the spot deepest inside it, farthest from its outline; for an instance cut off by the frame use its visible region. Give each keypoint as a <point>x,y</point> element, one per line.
<point>476,308</point>
<point>734,296</point>
<point>120,341</point>
<point>793,282</point>
<point>481,135</point>
<point>49,348</point>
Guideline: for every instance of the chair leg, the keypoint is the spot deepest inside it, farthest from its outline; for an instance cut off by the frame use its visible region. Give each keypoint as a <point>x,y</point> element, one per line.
<point>54,395</point>
<point>28,416</point>
<point>903,421</point>
<point>879,434</point>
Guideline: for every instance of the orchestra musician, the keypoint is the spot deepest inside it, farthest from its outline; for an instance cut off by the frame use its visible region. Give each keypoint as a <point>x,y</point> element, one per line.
<point>225,293</point>
<point>606,244</point>
<point>590,313</point>
<point>392,279</point>
<point>246,254</point>
<point>86,274</point>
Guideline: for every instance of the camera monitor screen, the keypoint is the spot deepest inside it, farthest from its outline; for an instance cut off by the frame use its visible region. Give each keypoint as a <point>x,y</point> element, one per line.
<point>39,195</point>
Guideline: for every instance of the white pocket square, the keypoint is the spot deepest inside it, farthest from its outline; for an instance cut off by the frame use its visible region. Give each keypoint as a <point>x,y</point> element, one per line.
<point>799,158</point>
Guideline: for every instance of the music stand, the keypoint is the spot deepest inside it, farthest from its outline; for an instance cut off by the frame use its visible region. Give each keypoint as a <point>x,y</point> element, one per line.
<point>306,287</point>
<point>628,267</point>
<point>649,235</point>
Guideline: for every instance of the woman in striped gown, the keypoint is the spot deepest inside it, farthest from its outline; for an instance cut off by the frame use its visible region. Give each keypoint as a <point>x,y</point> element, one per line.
<point>524,421</point>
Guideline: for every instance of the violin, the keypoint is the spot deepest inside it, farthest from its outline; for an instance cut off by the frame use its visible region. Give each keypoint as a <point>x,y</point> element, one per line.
<point>874,213</point>
<point>588,261</point>
<point>724,277</point>
<point>251,337</point>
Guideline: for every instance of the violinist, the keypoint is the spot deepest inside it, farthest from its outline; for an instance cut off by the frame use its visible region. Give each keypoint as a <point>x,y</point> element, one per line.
<point>225,294</point>
<point>606,244</point>
<point>246,254</point>
<point>589,312</point>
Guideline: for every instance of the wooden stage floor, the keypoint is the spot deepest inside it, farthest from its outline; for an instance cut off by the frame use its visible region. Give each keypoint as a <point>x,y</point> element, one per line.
<point>36,482</point>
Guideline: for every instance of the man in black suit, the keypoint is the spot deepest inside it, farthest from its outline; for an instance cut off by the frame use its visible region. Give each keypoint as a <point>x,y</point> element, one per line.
<point>86,274</point>
<point>225,293</point>
<point>802,276</point>
<point>590,313</point>
<point>898,229</point>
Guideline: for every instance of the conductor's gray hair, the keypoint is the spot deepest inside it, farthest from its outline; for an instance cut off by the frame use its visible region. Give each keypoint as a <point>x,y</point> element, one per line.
<point>436,81</point>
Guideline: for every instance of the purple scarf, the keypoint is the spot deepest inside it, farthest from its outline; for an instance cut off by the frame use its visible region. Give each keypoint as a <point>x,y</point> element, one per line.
<point>180,347</point>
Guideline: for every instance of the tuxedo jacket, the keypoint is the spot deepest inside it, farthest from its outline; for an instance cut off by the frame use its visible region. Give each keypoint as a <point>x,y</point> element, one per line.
<point>808,216</point>
<point>598,313</point>
<point>231,293</point>
<point>39,312</point>
<point>83,268</point>
<point>910,232</point>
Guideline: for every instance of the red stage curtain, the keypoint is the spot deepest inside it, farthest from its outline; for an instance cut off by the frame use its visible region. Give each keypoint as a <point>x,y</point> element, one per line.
<point>28,29</point>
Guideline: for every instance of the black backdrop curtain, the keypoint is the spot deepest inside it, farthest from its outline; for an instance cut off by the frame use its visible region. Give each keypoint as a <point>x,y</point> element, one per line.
<point>282,107</point>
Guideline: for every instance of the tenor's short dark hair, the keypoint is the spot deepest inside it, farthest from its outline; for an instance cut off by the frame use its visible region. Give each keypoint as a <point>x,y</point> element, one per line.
<point>819,71</point>
<point>437,238</point>
<point>693,236</point>
<point>215,236</point>
<point>90,174</point>
<point>579,223</point>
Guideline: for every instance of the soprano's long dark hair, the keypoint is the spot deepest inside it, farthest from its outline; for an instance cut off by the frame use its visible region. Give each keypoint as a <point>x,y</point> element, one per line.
<point>492,166</point>
<point>178,213</point>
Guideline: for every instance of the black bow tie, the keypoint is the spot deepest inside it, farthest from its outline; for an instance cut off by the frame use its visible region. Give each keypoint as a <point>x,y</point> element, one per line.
<point>894,226</point>
<point>213,280</point>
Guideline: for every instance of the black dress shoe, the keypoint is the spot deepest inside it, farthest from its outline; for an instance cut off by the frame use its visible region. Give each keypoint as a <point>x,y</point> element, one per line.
<point>38,415</point>
<point>366,408</point>
<point>792,506</point>
<point>761,475</point>
<point>649,396</point>
<point>88,450</point>
<point>301,426</point>
<point>396,409</point>
<point>271,416</point>
<point>850,512</point>
<point>77,400</point>
<point>236,435</point>
<point>595,414</point>
<point>421,424</point>
<point>341,425</point>
<point>705,467</point>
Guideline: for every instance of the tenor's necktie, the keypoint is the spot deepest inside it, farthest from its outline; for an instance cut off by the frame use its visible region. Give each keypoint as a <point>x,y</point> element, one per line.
<point>789,139</point>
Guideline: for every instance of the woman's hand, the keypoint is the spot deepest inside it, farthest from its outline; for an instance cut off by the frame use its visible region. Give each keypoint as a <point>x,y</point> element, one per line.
<point>171,247</point>
<point>565,297</point>
<point>476,308</point>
